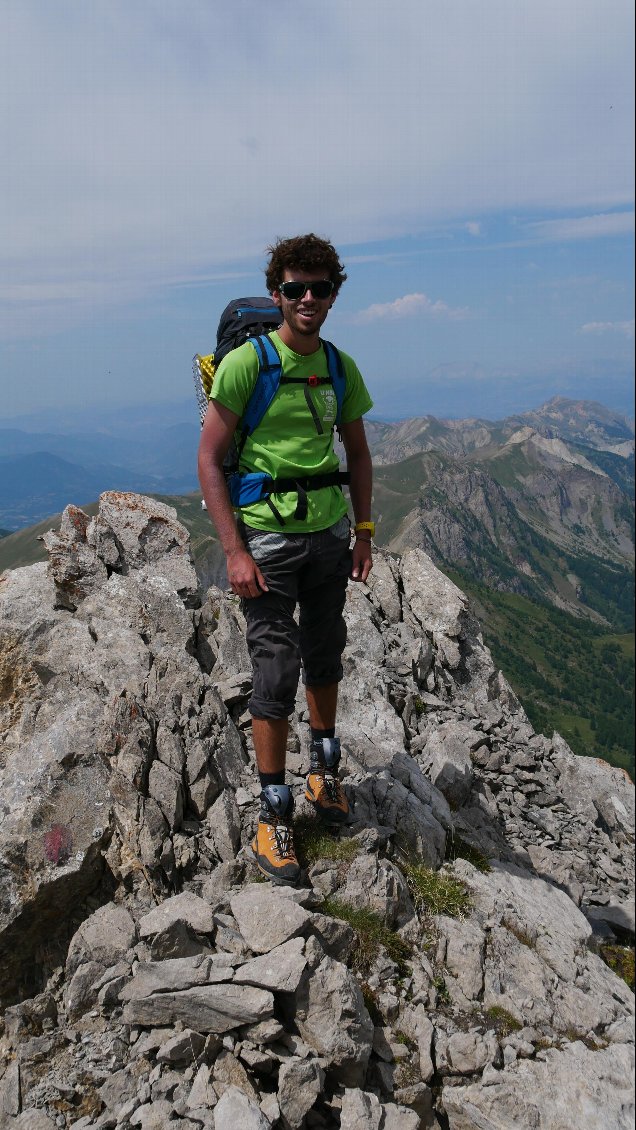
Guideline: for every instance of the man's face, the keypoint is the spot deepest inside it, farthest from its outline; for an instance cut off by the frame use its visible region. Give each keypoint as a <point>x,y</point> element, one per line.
<point>304,315</point>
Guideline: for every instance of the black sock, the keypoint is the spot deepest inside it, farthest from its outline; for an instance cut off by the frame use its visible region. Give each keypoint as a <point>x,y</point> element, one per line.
<point>318,735</point>
<point>272,779</point>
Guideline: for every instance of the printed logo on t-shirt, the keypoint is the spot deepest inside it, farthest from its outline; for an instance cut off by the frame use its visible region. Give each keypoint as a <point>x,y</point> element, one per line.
<point>329,398</point>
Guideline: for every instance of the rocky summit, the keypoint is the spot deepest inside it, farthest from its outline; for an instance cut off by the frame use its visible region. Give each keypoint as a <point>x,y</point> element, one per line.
<point>452,956</point>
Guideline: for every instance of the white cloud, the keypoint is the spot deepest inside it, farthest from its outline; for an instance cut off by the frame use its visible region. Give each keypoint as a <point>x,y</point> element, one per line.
<point>584,227</point>
<point>150,141</point>
<point>407,307</point>
<point>473,228</point>
<point>625,328</point>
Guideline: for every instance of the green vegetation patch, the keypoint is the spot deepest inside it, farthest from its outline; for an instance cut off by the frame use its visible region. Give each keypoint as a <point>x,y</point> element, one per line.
<point>502,1021</point>
<point>435,892</point>
<point>620,959</point>
<point>371,933</point>
<point>314,842</point>
<point>570,675</point>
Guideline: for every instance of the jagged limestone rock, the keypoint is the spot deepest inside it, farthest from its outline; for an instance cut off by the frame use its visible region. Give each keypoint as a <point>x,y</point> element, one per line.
<point>280,970</point>
<point>205,1008</point>
<point>116,738</point>
<point>300,1082</point>
<point>235,1108</point>
<point>332,1019</point>
<point>266,918</point>
<point>186,907</point>
<point>563,1088</point>
<point>378,884</point>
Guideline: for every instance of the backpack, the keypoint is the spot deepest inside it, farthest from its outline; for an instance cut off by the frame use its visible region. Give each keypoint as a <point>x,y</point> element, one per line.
<point>251,319</point>
<point>242,319</point>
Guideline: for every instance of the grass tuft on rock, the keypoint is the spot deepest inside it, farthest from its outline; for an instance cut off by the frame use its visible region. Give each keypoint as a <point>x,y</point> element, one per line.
<point>503,1021</point>
<point>371,933</point>
<point>315,842</point>
<point>435,892</point>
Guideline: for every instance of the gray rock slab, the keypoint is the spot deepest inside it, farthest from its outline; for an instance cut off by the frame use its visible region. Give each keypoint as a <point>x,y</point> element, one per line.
<point>436,602</point>
<point>266,919</point>
<point>468,1052</point>
<point>398,1117</point>
<point>446,759</point>
<point>407,770</point>
<point>33,1119</point>
<point>377,884</point>
<point>615,914</point>
<point>103,938</point>
<point>332,1019</point>
<point>279,970</point>
<point>229,1071</point>
<point>206,1008</point>
<point>152,1116</point>
<point>177,940</point>
<point>202,1093</point>
<point>176,974</point>
<point>300,1082</point>
<point>566,1088</point>
<point>186,907</point>
<point>361,1110</point>
<point>234,1109</point>
<point>183,1048</point>
<point>464,959</point>
<point>384,802</point>
<point>224,825</point>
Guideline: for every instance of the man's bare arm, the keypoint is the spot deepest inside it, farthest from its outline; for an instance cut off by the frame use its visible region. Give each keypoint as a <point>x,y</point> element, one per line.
<point>244,576</point>
<point>361,471</point>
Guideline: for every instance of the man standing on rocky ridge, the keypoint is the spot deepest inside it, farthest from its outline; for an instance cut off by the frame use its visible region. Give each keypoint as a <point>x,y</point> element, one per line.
<point>293,548</point>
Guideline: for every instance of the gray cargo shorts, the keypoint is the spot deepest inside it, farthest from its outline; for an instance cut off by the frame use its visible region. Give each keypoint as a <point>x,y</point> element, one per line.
<point>305,571</point>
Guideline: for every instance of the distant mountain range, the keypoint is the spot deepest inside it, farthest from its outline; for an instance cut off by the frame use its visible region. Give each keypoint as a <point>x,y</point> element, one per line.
<point>540,504</point>
<point>533,516</point>
<point>41,472</point>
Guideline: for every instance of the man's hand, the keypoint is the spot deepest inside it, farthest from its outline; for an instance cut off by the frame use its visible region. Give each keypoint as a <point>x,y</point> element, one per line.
<point>244,575</point>
<point>362,563</point>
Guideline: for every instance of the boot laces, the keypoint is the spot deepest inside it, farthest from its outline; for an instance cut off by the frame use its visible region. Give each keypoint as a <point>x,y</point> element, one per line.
<point>283,837</point>
<point>332,787</point>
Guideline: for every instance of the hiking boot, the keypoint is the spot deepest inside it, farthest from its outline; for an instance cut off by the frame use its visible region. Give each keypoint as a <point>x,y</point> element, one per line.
<point>273,844</point>
<point>323,788</point>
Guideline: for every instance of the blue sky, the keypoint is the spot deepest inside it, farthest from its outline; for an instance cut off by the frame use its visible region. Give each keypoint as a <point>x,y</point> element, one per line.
<point>471,159</point>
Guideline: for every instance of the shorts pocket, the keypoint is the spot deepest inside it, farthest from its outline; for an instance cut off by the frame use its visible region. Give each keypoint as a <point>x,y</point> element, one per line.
<point>341,529</point>
<point>261,544</point>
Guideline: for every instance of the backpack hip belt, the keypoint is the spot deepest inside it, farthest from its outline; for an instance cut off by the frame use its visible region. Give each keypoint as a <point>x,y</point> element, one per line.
<point>257,486</point>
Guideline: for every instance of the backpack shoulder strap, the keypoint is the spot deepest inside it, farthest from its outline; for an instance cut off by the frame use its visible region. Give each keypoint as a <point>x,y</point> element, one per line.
<point>337,375</point>
<point>270,369</point>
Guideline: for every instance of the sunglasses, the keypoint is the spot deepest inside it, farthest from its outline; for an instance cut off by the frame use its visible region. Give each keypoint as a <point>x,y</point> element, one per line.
<point>323,288</point>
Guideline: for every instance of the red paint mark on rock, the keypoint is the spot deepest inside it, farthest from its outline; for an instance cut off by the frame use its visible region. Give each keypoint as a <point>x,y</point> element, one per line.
<point>58,844</point>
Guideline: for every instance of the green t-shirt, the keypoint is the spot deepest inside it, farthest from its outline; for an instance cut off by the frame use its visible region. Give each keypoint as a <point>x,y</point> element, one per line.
<point>286,443</point>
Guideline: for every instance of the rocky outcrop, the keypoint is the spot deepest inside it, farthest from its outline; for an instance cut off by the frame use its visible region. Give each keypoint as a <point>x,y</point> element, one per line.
<point>446,961</point>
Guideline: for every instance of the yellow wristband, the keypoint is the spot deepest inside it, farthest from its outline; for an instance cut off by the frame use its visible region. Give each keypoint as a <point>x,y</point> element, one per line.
<point>370,526</point>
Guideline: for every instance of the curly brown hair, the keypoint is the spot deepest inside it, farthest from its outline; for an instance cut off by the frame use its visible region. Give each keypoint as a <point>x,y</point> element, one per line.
<point>303,253</point>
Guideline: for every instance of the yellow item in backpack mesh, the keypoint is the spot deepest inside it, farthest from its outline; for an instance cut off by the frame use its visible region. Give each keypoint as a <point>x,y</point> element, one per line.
<point>203,373</point>
<point>206,368</point>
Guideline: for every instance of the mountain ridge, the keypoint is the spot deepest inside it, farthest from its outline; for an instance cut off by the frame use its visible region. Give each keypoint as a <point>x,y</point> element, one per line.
<point>163,461</point>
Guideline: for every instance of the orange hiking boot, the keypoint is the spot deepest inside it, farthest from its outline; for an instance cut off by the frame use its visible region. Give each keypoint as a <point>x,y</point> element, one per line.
<point>273,844</point>
<point>323,788</point>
